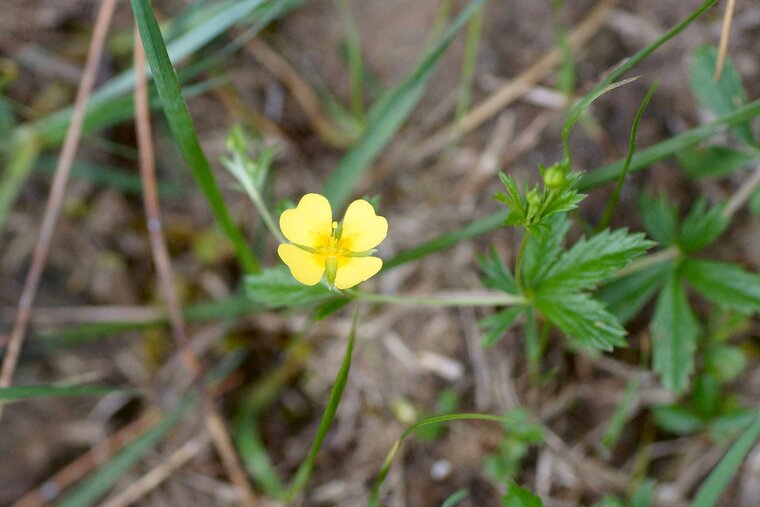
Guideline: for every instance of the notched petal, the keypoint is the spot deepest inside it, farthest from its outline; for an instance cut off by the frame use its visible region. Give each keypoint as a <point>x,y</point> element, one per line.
<point>308,221</point>
<point>354,270</point>
<point>306,267</point>
<point>363,229</point>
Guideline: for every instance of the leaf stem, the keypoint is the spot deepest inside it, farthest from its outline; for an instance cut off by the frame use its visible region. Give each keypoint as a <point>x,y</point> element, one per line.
<point>519,260</point>
<point>442,299</point>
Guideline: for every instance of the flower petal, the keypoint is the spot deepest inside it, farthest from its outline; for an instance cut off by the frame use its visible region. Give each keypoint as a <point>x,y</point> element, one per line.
<point>306,267</point>
<point>362,228</point>
<point>308,221</point>
<point>354,270</point>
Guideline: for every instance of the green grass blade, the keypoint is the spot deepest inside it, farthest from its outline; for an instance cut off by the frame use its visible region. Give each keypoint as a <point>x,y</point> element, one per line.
<point>101,481</point>
<point>610,209</point>
<point>669,147</point>
<point>22,155</point>
<point>469,61</point>
<point>354,57</point>
<point>52,129</point>
<point>388,114</point>
<point>304,471</point>
<point>456,497</point>
<point>716,482</point>
<point>28,392</point>
<point>182,127</point>
<point>624,67</point>
<point>438,419</point>
<point>446,240</point>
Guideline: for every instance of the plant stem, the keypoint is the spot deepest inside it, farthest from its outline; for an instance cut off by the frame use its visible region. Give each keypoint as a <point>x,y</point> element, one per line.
<point>265,214</point>
<point>669,253</point>
<point>519,260</point>
<point>452,299</point>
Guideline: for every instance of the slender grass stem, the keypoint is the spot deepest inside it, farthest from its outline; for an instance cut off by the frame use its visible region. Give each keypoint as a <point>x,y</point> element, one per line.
<point>442,299</point>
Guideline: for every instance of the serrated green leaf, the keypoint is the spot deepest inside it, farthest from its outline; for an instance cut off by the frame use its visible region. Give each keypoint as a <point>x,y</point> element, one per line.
<point>542,250</point>
<point>518,496</point>
<point>496,274</point>
<point>725,284</point>
<point>676,419</point>
<point>497,324</point>
<point>674,335</point>
<point>513,199</point>
<point>714,161</point>
<point>276,288</point>
<point>592,260</point>
<point>563,199</point>
<point>626,296</point>
<point>582,318</point>
<point>701,226</point>
<point>660,218</point>
<point>722,96</point>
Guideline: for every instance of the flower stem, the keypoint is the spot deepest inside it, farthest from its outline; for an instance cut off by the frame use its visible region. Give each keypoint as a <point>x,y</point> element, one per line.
<point>442,299</point>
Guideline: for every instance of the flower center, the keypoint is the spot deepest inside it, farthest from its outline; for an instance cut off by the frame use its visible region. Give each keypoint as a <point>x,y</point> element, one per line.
<point>331,245</point>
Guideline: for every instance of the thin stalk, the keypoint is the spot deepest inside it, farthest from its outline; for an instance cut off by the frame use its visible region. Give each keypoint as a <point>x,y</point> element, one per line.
<point>462,299</point>
<point>609,210</point>
<point>519,260</point>
<point>354,56</point>
<point>55,199</point>
<point>645,262</point>
<point>215,424</point>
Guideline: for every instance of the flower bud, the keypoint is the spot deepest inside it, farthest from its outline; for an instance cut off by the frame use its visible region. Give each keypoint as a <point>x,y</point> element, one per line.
<point>554,177</point>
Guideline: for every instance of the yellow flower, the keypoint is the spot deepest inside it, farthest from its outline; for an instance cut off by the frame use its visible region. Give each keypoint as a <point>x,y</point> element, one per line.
<point>318,246</point>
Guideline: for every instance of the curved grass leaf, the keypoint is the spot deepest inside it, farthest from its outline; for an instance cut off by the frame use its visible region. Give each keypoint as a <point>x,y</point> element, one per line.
<point>646,157</point>
<point>456,497</point>
<point>182,127</point>
<point>388,114</point>
<point>438,419</point>
<point>709,494</point>
<point>304,471</point>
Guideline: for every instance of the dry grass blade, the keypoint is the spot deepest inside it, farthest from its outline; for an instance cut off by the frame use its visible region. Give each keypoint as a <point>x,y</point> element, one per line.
<point>55,199</point>
<point>515,88</point>
<point>213,419</point>
<point>150,481</point>
<point>302,92</point>
<point>74,471</point>
<point>724,34</point>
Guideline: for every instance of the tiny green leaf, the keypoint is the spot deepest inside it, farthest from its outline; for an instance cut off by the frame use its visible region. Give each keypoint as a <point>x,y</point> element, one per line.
<point>496,274</point>
<point>701,226</point>
<point>725,362</point>
<point>582,318</point>
<point>513,199</point>
<point>725,284</point>
<point>722,96</point>
<point>674,334</point>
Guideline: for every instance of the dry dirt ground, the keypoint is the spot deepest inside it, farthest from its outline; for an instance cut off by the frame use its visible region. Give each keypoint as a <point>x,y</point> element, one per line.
<point>406,356</point>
